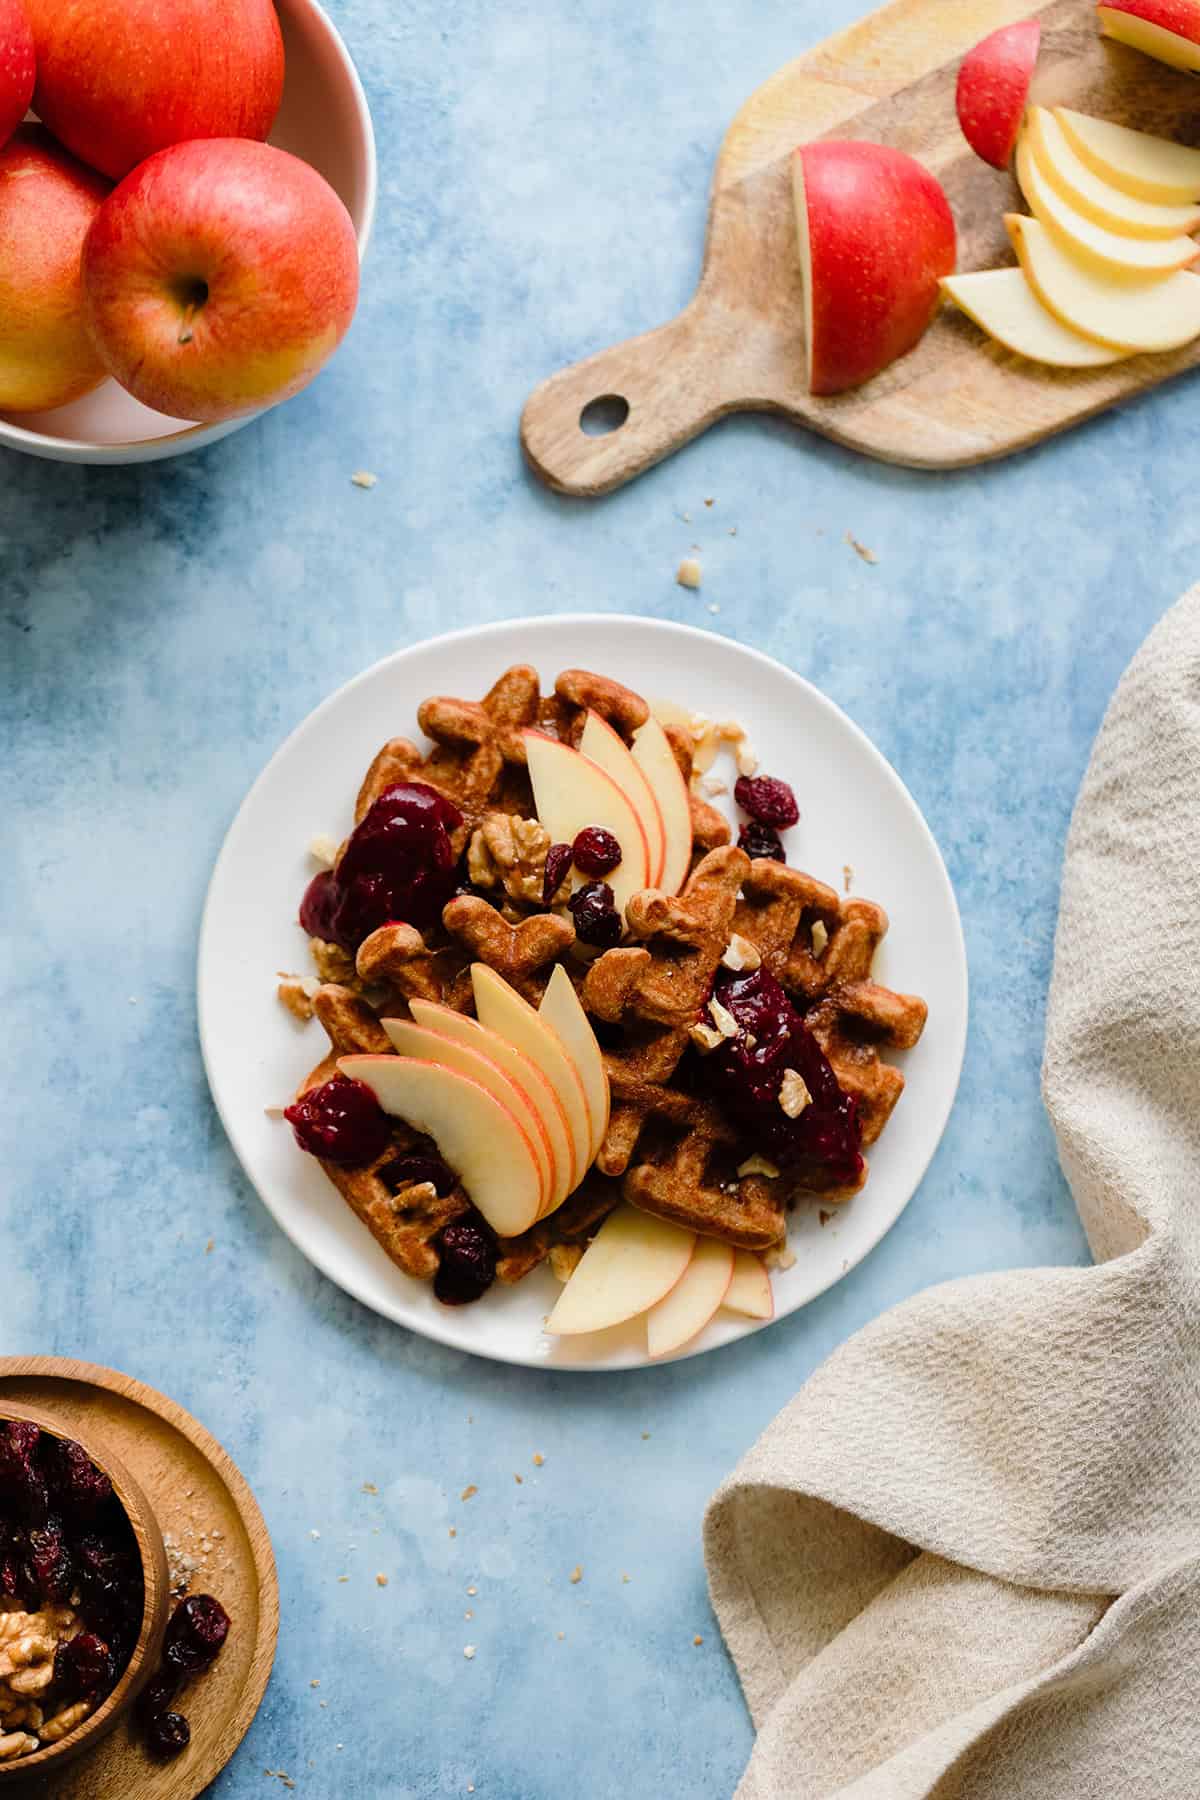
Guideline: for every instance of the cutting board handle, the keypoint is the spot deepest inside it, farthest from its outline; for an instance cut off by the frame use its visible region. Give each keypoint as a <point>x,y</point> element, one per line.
<point>665,387</point>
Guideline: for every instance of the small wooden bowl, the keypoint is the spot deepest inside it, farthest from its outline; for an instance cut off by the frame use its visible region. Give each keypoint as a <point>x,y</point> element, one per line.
<point>157,1581</point>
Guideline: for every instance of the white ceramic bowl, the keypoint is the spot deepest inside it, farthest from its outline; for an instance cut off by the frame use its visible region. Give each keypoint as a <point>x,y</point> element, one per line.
<point>324,118</point>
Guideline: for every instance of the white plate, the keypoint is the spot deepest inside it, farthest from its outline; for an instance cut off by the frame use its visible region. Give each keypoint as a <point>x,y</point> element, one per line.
<point>855,811</point>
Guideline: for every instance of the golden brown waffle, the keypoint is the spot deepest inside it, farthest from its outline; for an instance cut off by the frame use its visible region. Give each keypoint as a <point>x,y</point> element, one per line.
<point>851,1016</point>
<point>669,1149</point>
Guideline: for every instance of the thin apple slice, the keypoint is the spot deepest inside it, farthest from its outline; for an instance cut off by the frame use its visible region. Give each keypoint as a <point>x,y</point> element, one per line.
<point>749,1292</point>
<point>562,1011</point>
<point>631,1264</point>
<point>1002,301</point>
<point>654,756</point>
<point>524,1071</point>
<point>570,792</point>
<point>1110,252</point>
<point>1126,315</point>
<point>602,744</point>
<point>694,1299</point>
<point>1095,197</point>
<point>1150,168</point>
<point>419,1041</point>
<point>507,1013</point>
<point>993,81</point>
<point>1167,30</point>
<point>482,1141</point>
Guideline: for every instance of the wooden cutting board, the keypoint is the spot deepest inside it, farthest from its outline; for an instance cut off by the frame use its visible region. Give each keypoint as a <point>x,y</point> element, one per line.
<point>738,345</point>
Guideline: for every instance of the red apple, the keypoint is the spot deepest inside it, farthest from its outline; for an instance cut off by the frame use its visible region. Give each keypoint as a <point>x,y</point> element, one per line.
<point>219,277</point>
<point>876,237</point>
<point>47,202</point>
<point>16,66</point>
<point>119,79</point>
<point>993,84</point>
<point>1168,30</point>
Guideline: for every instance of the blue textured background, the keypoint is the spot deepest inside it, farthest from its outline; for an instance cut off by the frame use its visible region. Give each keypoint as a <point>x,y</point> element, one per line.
<point>543,192</point>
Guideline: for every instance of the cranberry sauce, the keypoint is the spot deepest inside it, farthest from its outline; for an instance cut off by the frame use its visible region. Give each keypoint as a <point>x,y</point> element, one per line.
<point>745,1073</point>
<point>342,1122</point>
<point>398,865</point>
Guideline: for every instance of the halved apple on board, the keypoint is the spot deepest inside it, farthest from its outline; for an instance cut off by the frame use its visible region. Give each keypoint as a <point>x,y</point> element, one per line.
<point>993,85</point>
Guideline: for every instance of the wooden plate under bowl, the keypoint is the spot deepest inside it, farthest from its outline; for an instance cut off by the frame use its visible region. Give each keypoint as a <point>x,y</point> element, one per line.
<point>207,1515</point>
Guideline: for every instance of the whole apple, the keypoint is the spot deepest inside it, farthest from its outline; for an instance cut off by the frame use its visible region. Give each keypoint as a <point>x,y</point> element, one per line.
<point>17,66</point>
<point>47,202</point>
<point>120,79</point>
<point>218,278</point>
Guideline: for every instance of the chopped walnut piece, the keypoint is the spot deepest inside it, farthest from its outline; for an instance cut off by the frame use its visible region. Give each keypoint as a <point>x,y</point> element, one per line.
<point>706,1038</point>
<point>741,954</point>
<point>779,1256</point>
<point>722,1018</point>
<point>688,573</point>
<point>746,760</point>
<point>576,1575</point>
<point>512,852</point>
<point>793,1094</point>
<point>334,964</point>
<point>758,1165</point>
<point>469,1493</point>
<point>363,478</point>
<point>296,993</point>
<point>820,937</point>
<point>323,849</point>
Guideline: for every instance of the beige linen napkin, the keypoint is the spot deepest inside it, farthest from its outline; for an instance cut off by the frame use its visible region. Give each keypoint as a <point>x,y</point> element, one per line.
<point>965,1561</point>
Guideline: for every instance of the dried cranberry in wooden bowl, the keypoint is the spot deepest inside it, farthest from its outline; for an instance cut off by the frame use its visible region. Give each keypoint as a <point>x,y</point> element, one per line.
<point>72,1515</point>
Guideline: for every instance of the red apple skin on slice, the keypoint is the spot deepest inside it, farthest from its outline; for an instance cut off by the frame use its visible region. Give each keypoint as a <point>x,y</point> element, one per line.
<point>993,85</point>
<point>481,1140</point>
<point>1168,30</point>
<point>571,792</point>
<point>562,1011</point>
<point>654,756</point>
<point>606,747</point>
<point>430,1046</point>
<point>633,1261</point>
<point>510,1015</point>
<point>693,1301</point>
<point>876,237</point>
<point>749,1292</point>
<point>448,1023</point>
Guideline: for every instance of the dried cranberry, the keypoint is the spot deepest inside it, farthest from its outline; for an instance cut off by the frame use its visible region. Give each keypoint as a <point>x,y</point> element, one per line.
<point>595,851</point>
<point>77,1485</point>
<point>84,1667</point>
<point>20,1477</point>
<point>168,1734</point>
<point>468,1266</point>
<point>341,1121</point>
<point>558,861</point>
<point>399,864</point>
<point>761,840</point>
<point>319,905</point>
<point>406,1171</point>
<point>49,1565</point>
<point>769,801</point>
<point>594,911</point>
<point>158,1693</point>
<point>200,1626</point>
<point>822,1144</point>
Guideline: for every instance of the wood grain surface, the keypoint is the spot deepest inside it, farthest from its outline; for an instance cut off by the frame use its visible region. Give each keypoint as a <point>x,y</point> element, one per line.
<point>198,1498</point>
<point>738,345</point>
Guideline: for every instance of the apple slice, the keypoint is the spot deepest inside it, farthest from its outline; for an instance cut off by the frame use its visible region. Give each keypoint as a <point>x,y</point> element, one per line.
<point>654,756</point>
<point>502,1010</point>
<point>483,1142</point>
<point>1167,30</point>
<point>430,1046</point>
<point>749,1292</point>
<point>993,82</point>
<point>447,1023</point>
<point>1149,168</point>
<point>561,1010</point>
<point>876,237</point>
<point>570,792</point>
<point>604,746</point>
<point>693,1300</point>
<point>1002,301</point>
<point>1126,315</point>
<point>1095,197</point>
<point>633,1261</point>
<point>1108,251</point>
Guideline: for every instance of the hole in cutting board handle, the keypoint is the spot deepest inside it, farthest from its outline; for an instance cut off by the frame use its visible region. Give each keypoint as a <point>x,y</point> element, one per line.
<point>605,414</point>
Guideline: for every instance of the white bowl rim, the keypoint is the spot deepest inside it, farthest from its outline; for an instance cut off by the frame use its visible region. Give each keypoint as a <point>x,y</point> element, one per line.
<point>195,437</point>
